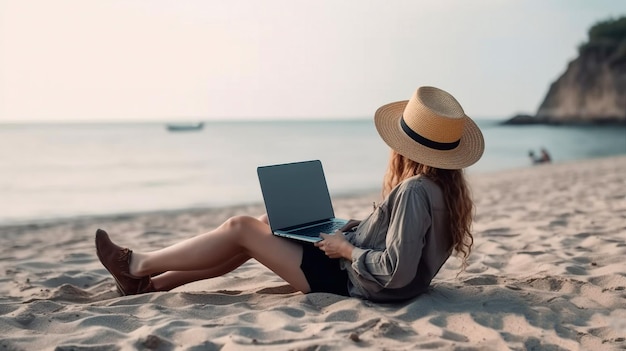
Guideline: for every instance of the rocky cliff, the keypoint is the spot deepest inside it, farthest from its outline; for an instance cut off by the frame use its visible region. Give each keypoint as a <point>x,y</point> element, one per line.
<point>593,88</point>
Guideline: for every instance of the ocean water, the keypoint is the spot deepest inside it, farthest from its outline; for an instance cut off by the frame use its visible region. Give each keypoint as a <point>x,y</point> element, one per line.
<point>64,170</point>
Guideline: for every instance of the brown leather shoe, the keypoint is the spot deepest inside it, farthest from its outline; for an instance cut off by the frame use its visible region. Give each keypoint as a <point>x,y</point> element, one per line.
<point>116,260</point>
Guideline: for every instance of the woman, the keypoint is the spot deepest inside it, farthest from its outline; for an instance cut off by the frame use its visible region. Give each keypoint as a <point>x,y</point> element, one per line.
<point>391,255</point>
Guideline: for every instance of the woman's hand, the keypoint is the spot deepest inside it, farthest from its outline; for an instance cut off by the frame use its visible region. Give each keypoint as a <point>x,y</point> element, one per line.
<point>335,245</point>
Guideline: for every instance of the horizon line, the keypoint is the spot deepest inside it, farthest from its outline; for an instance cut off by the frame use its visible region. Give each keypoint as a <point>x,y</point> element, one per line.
<point>210,120</point>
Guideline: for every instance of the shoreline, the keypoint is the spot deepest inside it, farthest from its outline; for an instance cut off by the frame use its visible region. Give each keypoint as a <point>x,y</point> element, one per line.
<point>256,206</point>
<point>546,272</point>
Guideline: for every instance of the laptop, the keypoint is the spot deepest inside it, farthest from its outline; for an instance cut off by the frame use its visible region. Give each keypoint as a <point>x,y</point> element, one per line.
<point>297,201</point>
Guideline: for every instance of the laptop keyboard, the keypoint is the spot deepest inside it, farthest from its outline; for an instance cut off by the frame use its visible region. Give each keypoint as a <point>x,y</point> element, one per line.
<point>316,230</point>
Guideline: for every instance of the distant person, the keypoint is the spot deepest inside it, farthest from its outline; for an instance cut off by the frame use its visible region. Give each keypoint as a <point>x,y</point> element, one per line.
<point>544,157</point>
<point>393,254</point>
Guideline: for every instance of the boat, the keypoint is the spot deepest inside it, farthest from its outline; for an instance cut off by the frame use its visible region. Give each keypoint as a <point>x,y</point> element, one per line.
<point>185,127</point>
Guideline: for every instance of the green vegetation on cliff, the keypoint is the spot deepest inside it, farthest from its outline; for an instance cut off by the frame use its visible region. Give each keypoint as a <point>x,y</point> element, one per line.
<point>607,37</point>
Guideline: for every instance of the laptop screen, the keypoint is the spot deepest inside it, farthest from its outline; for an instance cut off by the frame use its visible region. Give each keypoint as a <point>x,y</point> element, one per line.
<point>295,193</point>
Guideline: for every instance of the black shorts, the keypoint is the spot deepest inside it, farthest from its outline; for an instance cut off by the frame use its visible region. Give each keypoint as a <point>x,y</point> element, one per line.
<point>323,273</point>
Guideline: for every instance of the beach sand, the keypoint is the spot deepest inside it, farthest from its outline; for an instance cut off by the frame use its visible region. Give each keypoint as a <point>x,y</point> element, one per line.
<point>548,272</point>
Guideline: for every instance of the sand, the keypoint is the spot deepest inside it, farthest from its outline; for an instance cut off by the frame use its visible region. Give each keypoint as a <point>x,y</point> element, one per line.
<point>547,272</point>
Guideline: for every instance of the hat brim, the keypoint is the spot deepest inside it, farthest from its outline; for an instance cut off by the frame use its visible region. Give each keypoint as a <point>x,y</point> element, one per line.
<point>468,152</point>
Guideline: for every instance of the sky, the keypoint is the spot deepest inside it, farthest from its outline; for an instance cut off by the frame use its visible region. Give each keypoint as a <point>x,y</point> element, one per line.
<point>187,60</point>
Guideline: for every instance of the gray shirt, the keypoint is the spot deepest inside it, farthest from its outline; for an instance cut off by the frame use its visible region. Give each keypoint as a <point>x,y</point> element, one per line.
<point>402,245</point>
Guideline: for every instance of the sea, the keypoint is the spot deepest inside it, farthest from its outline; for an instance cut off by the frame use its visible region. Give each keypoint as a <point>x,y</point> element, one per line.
<point>66,170</point>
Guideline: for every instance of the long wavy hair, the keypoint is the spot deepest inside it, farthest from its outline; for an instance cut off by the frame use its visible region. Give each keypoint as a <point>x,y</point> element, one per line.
<point>455,191</point>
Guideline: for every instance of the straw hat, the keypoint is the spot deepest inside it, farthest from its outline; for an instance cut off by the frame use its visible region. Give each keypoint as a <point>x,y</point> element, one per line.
<point>432,129</point>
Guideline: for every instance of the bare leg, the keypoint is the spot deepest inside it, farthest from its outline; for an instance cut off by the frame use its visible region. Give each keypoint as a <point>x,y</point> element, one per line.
<point>263,218</point>
<point>173,279</point>
<point>222,250</point>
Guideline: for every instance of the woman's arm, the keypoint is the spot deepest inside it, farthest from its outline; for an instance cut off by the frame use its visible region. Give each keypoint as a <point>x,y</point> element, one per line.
<point>396,265</point>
